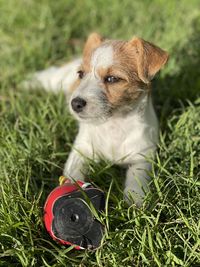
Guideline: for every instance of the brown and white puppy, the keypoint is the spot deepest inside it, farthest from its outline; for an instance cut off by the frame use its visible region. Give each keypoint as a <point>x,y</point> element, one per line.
<point>110,95</point>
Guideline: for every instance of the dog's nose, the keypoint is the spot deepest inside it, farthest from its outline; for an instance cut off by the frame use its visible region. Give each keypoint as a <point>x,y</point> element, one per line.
<point>78,104</point>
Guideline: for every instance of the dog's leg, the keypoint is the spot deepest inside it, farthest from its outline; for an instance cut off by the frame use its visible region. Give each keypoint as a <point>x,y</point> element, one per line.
<point>74,166</point>
<point>82,151</point>
<point>136,184</point>
<point>54,79</point>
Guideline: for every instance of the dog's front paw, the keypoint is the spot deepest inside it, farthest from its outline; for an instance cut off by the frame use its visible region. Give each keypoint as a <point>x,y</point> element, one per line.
<point>75,174</point>
<point>132,197</point>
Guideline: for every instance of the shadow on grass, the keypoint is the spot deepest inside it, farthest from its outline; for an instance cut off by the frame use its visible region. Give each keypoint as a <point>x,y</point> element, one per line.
<point>175,89</point>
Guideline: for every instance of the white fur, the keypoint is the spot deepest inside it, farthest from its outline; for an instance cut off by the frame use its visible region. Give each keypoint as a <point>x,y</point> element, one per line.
<point>102,57</point>
<point>123,139</point>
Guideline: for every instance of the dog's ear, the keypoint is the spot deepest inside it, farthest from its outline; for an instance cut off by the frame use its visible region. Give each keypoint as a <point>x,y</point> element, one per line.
<point>93,41</point>
<point>149,58</point>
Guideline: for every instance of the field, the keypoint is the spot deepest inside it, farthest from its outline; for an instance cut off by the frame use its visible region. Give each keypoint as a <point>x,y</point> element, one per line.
<point>37,132</point>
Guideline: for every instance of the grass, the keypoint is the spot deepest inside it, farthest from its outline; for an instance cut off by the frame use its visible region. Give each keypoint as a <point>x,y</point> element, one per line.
<point>36,134</point>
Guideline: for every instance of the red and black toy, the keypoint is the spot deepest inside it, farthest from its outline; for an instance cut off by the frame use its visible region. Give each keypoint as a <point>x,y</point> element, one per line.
<point>68,217</point>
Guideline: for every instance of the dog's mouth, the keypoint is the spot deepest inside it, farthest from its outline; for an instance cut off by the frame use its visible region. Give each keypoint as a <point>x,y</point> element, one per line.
<point>95,119</point>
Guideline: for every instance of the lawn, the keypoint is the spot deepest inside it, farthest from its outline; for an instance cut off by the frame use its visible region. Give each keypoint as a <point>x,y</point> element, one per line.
<point>37,131</point>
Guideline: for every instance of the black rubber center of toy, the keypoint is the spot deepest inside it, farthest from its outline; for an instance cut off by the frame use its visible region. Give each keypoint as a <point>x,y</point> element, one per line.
<point>73,220</point>
<point>74,217</point>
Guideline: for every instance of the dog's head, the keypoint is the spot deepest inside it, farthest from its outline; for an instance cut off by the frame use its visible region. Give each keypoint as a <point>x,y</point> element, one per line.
<point>113,75</point>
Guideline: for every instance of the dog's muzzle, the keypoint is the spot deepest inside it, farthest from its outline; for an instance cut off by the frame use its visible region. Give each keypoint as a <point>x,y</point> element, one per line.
<point>78,104</point>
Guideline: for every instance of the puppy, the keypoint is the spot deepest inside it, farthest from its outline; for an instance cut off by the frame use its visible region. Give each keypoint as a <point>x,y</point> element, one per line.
<point>109,93</point>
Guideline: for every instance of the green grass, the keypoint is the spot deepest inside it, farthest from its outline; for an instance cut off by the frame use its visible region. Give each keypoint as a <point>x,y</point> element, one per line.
<point>36,134</point>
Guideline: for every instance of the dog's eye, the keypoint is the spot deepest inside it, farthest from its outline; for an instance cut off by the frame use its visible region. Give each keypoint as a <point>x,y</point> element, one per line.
<point>80,74</point>
<point>111,79</point>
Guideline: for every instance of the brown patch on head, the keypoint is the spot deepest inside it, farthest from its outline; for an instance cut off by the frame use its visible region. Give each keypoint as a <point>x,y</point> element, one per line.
<point>120,93</point>
<point>125,90</point>
<point>135,63</point>
<point>74,86</point>
<point>129,87</point>
<point>94,40</point>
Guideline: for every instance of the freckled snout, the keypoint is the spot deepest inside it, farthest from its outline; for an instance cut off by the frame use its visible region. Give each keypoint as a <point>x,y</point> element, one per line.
<point>78,104</point>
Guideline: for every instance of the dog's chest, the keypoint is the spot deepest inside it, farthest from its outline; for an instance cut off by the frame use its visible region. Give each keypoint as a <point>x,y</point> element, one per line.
<point>117,139</point>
